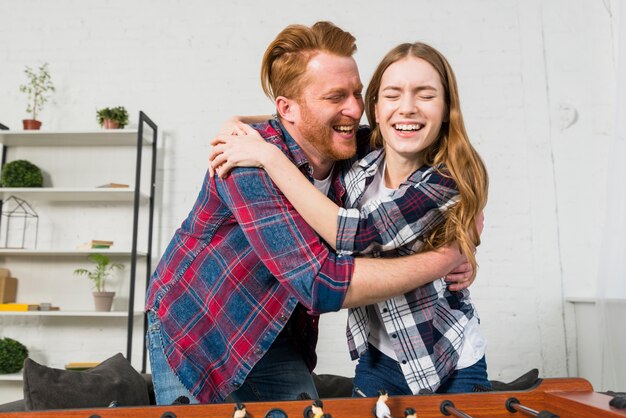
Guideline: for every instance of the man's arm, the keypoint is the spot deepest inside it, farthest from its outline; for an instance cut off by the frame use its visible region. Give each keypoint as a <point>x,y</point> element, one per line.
<point>378,279</point>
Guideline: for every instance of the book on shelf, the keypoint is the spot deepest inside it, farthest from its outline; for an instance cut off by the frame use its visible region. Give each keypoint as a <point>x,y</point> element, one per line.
<point>81,365</point>
<point>18,307</point>
<point>114,186</point>
<point>8,286</point>
<point>98,243</point>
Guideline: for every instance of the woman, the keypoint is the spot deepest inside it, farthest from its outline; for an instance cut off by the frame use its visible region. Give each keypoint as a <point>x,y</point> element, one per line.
<point>424,186</point>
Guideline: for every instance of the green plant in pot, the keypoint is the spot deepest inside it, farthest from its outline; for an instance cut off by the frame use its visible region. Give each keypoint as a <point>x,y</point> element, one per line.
<point>12,355</point>
<point>113,117</point>
<point>38,90</point>
<point>21,173</point>
<point>98,275</point>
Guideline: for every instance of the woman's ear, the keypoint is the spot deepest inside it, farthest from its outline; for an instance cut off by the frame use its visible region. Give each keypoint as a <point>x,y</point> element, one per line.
<point>287,109</point>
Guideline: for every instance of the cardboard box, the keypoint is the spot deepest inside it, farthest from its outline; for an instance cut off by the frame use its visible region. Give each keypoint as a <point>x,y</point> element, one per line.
<point>8,289</point>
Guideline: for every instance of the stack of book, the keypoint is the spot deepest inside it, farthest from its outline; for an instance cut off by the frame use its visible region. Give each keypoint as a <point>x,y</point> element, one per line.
<point>113,186</point>
<point>81,365</point>
<point>18,307</point>
<point>98,243</point>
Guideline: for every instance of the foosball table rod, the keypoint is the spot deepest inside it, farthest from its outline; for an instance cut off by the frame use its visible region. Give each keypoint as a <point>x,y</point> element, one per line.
<point>447,408</point>
<point>514,405</point>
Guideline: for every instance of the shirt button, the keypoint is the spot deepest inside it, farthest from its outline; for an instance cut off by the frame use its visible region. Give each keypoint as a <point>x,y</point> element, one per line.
<point>394,336</point>
<point>385,310</point>
<point>283,317</point>
<point>235,384</point>
<point>403,361</point>
<point>258,351</point>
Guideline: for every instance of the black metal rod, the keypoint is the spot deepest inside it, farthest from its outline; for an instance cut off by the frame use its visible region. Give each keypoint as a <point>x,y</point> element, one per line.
<point>514,405</point>
<point>150,227</point>
<point>133,251</point>
<point>447,408</point>
<point>4,160</point>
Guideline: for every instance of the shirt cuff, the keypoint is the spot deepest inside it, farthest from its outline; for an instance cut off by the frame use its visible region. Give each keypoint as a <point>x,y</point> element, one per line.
<point>347,226</point>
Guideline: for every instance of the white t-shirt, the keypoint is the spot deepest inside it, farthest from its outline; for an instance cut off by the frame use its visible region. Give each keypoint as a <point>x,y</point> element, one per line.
<point>324,185</point>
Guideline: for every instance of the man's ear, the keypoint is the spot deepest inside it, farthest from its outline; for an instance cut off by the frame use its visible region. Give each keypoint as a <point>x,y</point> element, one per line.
<point>287,109</point>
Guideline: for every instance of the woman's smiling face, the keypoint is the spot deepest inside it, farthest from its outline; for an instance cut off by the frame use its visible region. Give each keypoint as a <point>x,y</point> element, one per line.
<point>410,108</point>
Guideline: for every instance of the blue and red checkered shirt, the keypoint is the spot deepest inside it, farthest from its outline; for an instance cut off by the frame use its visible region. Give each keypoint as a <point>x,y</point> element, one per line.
<point>241,264</point>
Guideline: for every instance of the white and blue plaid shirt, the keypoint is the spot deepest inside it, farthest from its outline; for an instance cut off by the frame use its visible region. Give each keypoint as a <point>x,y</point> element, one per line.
<point>426,326</point>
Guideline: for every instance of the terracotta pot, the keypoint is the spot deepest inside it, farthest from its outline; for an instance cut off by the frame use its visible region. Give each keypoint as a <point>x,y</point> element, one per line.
<point>31,124</point>
<point>103,301</point>
<point>111,124</point>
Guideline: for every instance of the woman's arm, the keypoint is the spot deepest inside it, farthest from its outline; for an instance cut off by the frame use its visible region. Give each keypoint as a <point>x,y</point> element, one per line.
<point>233,125</point>
<point>250,150</point>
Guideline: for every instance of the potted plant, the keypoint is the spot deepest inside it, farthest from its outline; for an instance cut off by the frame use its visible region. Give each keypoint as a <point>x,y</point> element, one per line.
<point>99,274</point>
<point>21,173</point>
<point>12,355</point>
<point>38,90</point>
<point>113,117</point>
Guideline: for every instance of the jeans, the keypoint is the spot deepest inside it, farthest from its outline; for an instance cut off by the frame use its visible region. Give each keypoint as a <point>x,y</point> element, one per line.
<point>280,375</point>
<point>376,371</point>
<point>167,386</point>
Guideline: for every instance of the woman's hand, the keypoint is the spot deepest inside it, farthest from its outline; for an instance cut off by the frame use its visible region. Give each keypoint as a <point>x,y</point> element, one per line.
<point>244,148</point>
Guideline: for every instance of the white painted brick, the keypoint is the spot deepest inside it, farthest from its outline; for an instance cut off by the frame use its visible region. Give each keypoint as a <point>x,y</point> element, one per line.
<point>189,65</point>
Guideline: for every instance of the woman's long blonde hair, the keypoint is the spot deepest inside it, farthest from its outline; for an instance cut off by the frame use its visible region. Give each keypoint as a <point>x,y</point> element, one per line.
<point>452,149</point>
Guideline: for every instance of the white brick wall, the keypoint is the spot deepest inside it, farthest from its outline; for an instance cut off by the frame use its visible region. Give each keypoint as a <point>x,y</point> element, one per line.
<point>536,80</point>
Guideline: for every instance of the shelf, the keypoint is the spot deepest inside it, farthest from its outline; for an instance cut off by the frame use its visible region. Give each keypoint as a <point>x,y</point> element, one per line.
<point>113,137</point>
<point>18,252</point>
<point>11,377</point>
<point>81,314</point>
<point>72,194</point>
<point>85,197</point>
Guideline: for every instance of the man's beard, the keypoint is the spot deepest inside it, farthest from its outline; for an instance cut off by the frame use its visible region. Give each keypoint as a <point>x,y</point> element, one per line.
<point>320,135</point>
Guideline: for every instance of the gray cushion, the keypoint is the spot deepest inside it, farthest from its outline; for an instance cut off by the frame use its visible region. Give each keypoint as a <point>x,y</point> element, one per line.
<point>112,380</point>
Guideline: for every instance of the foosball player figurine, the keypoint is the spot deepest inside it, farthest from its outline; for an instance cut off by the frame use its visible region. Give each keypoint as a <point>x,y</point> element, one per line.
<point>410,413</point>
<point>382,410</point>
<point>240,411</point>
<point>315,410</point>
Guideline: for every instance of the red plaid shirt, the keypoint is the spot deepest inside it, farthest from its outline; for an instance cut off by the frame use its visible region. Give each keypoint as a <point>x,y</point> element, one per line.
<point>236,270</point>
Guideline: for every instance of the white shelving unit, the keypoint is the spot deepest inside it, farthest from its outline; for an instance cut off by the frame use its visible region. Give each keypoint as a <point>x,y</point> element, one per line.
<point>17,252</point>
<point>67,194</point>
<point>74,210</point>
<point>81,314</point>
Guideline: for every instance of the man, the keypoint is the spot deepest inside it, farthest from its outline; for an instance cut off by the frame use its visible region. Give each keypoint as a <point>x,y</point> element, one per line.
<point>234,302</point>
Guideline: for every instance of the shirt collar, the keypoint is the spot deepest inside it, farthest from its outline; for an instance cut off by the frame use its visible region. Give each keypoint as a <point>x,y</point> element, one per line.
<point>298,156</point>
<point>372,161</point>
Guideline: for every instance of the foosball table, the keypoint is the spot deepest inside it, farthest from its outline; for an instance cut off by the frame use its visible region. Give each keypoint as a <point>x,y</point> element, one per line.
<point>565,398</point>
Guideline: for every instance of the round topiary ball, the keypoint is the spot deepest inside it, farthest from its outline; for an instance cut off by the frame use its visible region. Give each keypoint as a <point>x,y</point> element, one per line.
<point>21,173</point>
<point>12,355</point>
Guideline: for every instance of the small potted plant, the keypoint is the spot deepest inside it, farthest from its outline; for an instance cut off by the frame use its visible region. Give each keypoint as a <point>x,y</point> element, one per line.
<point>21,173</point>
<point>113,117</point>
<point>12,355</point>
<point>99,274</point>
<point>38,90</point>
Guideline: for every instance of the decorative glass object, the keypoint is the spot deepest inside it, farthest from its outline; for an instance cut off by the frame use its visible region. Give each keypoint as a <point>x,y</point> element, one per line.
<point>19,224</point>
